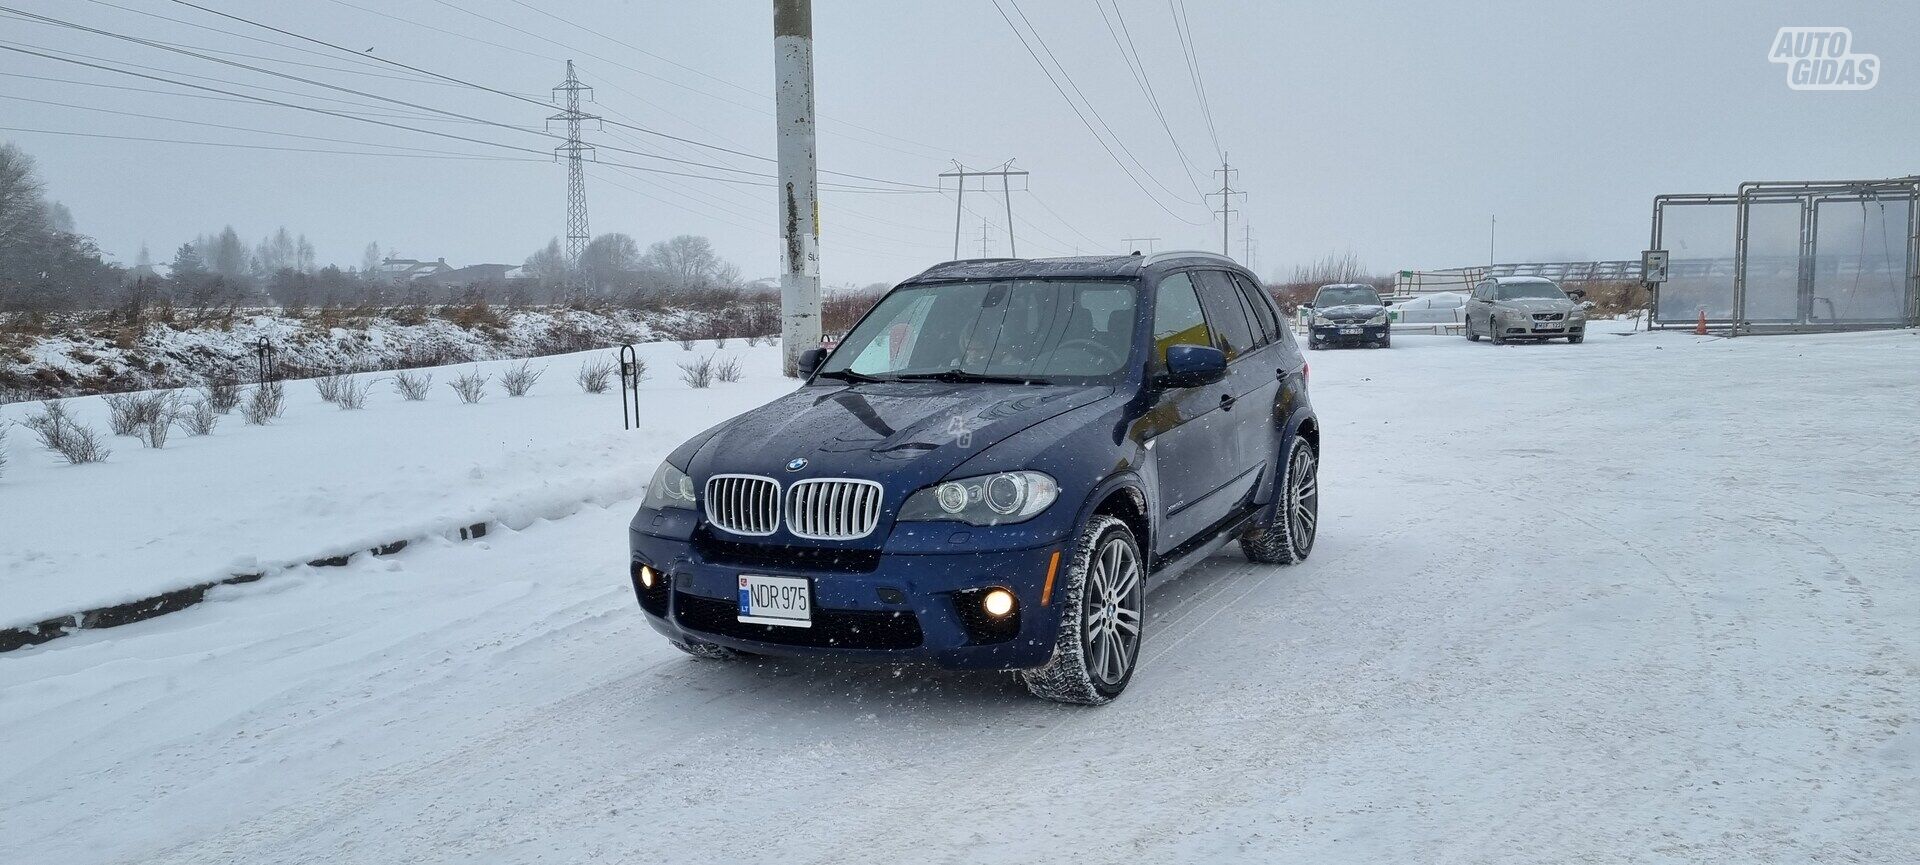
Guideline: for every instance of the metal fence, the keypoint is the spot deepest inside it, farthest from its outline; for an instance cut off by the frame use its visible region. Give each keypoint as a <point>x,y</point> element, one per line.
<point>1801,255</point>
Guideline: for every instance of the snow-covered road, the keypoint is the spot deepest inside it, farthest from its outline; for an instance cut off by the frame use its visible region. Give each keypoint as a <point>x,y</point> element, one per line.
<point>1652,598</point>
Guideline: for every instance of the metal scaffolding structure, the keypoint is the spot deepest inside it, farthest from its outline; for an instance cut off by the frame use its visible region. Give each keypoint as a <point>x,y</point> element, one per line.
<point>1791,256</point>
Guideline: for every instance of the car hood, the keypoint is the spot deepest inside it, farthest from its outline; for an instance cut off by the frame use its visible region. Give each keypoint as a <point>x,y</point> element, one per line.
<point>1352,311</point>
<point>1536,304</point>
<point>903,434</point>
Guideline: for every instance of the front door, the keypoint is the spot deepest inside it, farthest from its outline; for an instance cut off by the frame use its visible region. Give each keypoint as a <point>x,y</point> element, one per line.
<point>1184,430</point>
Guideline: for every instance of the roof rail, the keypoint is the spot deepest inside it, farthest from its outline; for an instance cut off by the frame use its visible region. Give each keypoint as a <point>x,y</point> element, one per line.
<point>1187,253</point>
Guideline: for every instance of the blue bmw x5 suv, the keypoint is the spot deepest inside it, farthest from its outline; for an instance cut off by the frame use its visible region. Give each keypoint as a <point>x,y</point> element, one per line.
<point>992,471</point>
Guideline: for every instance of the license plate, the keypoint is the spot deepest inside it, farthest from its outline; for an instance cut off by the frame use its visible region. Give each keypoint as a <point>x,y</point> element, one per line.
<point>786,601</point>
<point>1349,330</point>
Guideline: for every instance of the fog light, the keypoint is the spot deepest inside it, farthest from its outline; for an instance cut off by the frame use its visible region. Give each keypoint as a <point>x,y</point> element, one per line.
<point>647,577</point>
<point>997,603</point>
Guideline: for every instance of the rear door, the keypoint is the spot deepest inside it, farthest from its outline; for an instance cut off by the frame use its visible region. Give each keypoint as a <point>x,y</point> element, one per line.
<point>1246,409</point>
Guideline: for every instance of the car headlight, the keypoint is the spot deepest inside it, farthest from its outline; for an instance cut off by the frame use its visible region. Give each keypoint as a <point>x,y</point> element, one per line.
<point>670,488</point>
<point>1322,320</point>
<point>987,500</point>
<point>1576,313</point>
<point>1378,319</point>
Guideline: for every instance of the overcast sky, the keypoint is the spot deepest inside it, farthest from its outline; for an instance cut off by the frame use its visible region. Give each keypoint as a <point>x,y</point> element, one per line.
<point>1389,129</point>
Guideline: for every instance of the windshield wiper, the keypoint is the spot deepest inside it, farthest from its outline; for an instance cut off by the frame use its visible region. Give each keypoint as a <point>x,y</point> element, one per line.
<point>962,376</point>
<point>849,375</point>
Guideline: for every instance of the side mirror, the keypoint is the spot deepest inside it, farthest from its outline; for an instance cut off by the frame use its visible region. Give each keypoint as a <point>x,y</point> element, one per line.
<point>810,361</point>
<point>1193,366</point>
<point>1386,301</point>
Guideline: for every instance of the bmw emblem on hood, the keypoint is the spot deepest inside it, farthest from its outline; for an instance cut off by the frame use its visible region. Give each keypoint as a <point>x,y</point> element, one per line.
<point>796,464</point>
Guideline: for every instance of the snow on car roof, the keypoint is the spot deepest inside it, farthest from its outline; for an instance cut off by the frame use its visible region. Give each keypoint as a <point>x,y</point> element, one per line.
<point>1522,279</point>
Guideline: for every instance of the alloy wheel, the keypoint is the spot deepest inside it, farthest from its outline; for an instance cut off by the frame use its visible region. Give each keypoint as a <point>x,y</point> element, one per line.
<point>1303,498</point>
<point>1113,603</point>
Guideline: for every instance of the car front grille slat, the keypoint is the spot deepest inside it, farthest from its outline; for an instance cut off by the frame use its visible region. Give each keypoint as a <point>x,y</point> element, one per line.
<point>833,509</point>
<point>1549,316</point>
<point>743,504</point>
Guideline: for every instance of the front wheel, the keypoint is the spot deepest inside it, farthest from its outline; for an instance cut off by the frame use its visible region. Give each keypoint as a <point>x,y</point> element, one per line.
<point>1286,536</point>
<point>1102,606</point>
<point>1576,340</point>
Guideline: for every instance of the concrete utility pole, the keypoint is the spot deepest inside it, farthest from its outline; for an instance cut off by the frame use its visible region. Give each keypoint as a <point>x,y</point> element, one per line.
<point>1226,210</point>
<point>1491,222</point>
<point>799,180</point>
<point>1130,241</point>
<point>1004,172</point>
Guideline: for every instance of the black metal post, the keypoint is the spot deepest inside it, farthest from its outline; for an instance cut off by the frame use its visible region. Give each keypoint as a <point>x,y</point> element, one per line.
<point>264,350</point>
<point>629,387</point>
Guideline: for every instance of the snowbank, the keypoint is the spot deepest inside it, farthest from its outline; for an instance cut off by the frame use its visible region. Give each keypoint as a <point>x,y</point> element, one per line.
<point>321,481</point>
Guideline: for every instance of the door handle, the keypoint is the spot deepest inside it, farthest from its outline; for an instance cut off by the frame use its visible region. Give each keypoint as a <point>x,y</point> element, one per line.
<point>1226,402</point>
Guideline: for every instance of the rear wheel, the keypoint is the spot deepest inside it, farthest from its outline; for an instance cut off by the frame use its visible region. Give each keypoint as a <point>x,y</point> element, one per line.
<point>1102,606</point>
<point>1472,335</point>
<point>1287,535</point>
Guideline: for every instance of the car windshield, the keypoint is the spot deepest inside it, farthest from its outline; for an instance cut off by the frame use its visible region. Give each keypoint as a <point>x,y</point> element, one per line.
<point>1345,295</point>
<point>1025,330</point>
<point>1518,290</point>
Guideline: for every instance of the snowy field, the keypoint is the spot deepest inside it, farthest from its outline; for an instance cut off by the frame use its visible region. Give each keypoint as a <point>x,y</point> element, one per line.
<point>1649,599</point>
<point>321,481</point>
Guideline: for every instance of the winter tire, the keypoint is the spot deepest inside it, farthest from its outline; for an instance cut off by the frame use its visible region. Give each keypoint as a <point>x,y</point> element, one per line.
<point>1287,535</point>
<point>1102,606</point>
<point>1472,335</point>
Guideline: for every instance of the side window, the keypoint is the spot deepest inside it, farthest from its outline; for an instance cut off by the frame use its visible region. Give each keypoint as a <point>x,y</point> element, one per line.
<point>1226,313</point>
<point>1261,306</point>
<point>1177,319</point>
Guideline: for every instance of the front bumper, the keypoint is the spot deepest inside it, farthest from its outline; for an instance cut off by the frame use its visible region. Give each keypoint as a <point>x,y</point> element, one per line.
<point>892,607</point>
<point>1530,329</point>
<point>1337,334</point>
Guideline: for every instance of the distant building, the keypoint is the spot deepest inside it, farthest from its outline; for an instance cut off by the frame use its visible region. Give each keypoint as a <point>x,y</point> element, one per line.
<point>401,271</point>
<point>472,274</point>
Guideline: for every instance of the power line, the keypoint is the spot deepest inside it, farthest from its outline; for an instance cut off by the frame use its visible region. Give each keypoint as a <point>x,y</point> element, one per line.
<point>1141,77</point>
<point>238,145</point>
<point>1083,118</point>
<point>348,116</point>
<point>1089,103</point>
<point>1184,30</point>
<point>494,90</point>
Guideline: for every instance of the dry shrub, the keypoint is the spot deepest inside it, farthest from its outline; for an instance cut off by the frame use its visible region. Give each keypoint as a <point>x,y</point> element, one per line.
<point>412,386</point>
<point>264,403</point>
<point>221,392</point>
<point>60,433</point>
<point>596,374</point>
<point>199,417</point>
<point>471,386</point>
<point>686,343</point>
<point>130,413</point>
<point>519,378</point>
<point>330,385</point>
<point>727,370</point>
<point>697,373</point>
<point>352,394</point>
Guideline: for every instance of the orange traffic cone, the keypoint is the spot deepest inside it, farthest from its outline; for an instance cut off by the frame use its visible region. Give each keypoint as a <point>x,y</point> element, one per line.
<point>1700,327</point>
